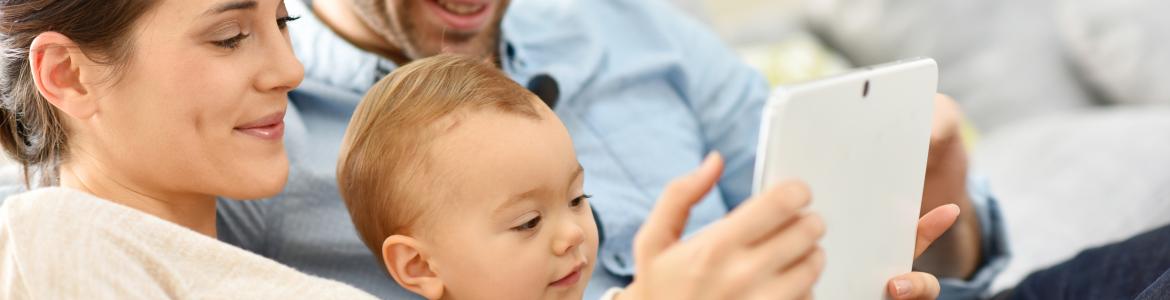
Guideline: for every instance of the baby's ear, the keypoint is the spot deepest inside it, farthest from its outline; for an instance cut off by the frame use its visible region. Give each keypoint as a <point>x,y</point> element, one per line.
<point>408,264</point>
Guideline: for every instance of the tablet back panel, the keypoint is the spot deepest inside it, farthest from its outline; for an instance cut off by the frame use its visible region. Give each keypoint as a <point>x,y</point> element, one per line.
<point>862,150</point>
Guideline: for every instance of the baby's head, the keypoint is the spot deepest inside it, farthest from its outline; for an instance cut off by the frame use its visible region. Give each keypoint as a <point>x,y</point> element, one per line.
<point>465,185</point>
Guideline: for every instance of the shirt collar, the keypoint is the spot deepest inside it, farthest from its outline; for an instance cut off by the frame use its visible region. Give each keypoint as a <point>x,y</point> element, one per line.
<point>550,37</point>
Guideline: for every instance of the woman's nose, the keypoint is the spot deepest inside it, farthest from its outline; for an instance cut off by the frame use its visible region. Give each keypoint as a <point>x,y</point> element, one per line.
<point>282,70</point>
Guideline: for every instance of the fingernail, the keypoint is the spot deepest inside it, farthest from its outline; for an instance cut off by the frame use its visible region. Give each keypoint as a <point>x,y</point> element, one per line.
<point>710,156</point>
<point>902,287</point>
<point>709,160</point>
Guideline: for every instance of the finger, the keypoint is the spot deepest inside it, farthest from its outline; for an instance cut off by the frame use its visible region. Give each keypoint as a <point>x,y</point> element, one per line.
<point>945,122</point>
<point>665,223</point>
<point>762,215</point>
<point>790,243</point>
<point>795,282</point>
<point>916,285</point>
<point>945,137</point>
<point>933,225</point>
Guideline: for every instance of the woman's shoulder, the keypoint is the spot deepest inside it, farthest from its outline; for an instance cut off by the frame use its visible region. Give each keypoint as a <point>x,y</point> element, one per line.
<point>47,235</point>
<point>52,207</point>
<point>67,216</point>
<point>58,237</point>
<point>61,243</point>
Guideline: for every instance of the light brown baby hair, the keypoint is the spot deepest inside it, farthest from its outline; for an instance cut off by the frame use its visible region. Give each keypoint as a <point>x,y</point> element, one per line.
<point>382,171</point>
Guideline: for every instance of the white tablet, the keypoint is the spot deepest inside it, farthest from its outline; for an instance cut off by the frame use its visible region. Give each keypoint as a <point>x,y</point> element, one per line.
<point>860,141</point>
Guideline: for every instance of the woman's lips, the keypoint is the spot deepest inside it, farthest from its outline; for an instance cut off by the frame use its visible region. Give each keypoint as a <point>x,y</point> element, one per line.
<point>462,15</point>
<point>270,127</point>
<point>570,279</point>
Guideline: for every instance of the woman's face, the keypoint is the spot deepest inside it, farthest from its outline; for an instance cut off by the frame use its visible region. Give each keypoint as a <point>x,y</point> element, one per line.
<point>198,107</point>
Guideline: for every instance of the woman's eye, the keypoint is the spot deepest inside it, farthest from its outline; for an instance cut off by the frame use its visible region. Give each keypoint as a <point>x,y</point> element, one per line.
<point>580,199</point>
<point>531,224</point>
<point>282,22</point>
<point>232,42</point>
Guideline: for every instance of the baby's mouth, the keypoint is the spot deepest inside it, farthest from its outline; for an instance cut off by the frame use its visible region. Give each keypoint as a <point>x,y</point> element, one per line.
<point>570,279</point>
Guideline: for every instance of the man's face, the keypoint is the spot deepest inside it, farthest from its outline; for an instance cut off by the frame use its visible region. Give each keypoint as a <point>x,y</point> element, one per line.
<point>422,28</point>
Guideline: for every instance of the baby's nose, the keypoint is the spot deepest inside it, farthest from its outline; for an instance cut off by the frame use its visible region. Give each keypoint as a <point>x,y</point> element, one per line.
<point>570,236</point>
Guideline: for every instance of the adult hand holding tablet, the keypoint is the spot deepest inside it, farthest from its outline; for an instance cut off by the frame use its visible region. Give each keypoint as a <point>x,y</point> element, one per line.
<point>860,141</point>
<point>767,247</point>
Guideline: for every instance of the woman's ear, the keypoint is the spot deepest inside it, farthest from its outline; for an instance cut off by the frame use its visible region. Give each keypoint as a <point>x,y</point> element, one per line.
<point>60,71</point>
<point>409,264</point>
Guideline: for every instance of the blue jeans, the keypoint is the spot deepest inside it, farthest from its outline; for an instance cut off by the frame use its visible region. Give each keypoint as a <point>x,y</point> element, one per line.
<point>1134,268</point>
<point>1159,290</point>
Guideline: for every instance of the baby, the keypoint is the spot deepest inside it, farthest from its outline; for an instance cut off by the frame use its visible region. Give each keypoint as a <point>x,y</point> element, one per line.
<point>464,184</point>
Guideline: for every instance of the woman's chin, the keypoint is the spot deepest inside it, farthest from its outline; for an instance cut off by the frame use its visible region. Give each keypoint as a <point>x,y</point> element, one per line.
<point>262,180</point>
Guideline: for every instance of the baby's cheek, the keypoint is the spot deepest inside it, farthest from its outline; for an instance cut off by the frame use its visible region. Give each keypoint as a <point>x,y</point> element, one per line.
<point>592,242</point>
<point>593,233</point>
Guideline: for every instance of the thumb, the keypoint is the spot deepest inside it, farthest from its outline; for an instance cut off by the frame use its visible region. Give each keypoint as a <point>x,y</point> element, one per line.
<point>665,223</point>
<point>915,285</point>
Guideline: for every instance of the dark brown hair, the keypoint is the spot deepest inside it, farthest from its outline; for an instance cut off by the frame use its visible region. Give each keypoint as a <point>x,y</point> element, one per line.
<point>31,131</point>
<point>384,153</point>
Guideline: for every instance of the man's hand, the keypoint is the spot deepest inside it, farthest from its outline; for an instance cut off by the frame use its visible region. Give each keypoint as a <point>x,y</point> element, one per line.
<point>765,249</point>
<point>956,254</point>
<point>919,285</point>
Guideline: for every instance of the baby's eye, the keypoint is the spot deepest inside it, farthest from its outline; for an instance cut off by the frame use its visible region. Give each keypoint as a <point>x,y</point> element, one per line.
<point>580,199</point>
<point>531,224</point>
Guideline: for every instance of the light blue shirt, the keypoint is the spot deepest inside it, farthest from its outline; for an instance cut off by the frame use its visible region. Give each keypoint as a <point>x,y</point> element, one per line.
<point>644,91</point>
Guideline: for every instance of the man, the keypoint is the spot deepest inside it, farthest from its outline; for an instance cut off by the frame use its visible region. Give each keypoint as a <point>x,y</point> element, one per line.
<point>644,91</point>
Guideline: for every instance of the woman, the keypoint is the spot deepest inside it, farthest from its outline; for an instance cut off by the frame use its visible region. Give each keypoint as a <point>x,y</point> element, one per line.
<point>142,111</point>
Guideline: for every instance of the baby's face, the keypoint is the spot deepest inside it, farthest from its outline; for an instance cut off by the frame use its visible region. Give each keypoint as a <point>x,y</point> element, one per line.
<point>515,222</point>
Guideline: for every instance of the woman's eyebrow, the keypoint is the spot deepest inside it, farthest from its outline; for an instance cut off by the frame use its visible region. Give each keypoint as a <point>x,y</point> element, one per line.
<point>230,6</point>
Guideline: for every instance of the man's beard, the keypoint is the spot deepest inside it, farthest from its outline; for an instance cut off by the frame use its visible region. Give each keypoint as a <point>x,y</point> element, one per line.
<point>376,15</point>
<point>405,33</point>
